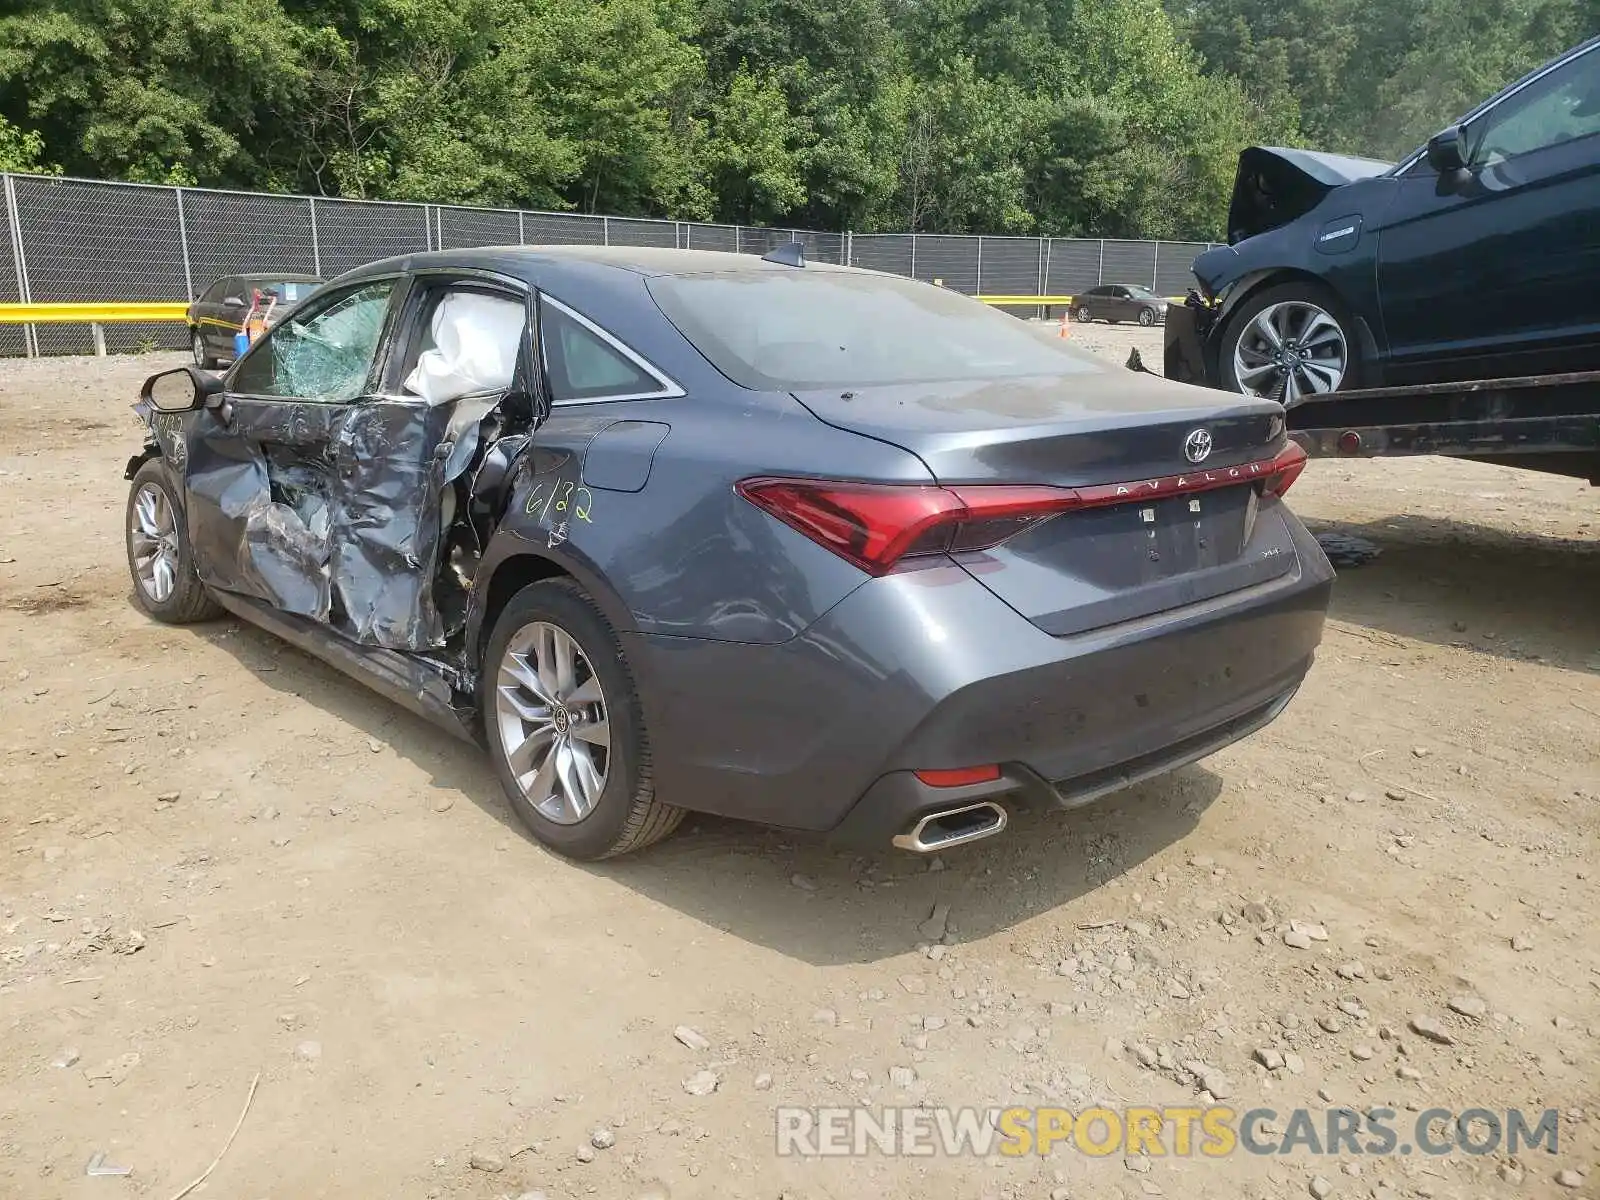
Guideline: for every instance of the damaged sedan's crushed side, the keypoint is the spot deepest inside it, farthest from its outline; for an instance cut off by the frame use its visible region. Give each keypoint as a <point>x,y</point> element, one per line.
<point>311,492</point>
<point>671,530</point>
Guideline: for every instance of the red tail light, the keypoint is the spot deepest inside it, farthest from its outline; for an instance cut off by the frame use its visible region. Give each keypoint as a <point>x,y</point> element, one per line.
<point>875,525</point>
<point>1286,467</point>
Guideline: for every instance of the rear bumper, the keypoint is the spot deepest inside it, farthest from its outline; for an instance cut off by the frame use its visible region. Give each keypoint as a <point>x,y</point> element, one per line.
<point>930,670</point>
<point>897,801</point>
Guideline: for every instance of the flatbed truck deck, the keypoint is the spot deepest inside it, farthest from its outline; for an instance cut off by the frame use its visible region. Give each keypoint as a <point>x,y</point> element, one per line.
<point>1547,423</point>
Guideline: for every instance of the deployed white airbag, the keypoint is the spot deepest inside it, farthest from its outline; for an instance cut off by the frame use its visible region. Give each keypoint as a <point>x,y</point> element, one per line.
<point>475,340</point>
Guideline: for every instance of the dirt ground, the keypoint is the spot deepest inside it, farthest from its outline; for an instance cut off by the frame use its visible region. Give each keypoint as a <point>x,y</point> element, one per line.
<point>222,860</point>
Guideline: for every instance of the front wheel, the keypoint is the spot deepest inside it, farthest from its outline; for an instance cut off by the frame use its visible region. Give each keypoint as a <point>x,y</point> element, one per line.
<point>1287,342</point>
<point>159,557</point>
<point>565,727</point>
<point>1147,317</point>
<point>1084,316</point>
<point>203,358</point>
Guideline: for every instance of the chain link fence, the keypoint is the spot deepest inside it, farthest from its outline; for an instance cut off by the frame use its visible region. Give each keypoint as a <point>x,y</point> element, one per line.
<point>65,240</point>
<point>1028,266</point>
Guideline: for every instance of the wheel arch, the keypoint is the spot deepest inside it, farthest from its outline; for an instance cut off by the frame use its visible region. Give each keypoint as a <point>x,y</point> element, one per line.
<point>507,575</point>
<point>151,449</point>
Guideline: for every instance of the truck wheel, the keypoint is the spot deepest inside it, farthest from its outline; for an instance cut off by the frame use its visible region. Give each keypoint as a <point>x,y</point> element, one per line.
<point>1289,341</point>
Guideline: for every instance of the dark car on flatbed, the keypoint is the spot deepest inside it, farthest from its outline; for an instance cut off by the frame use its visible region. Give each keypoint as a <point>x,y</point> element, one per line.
<point>1446,304</point>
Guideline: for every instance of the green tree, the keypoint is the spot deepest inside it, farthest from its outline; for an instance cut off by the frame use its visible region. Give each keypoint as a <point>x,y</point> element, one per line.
<point>151,89</point>
<point>842,70</point>
<point>961,169</point>
<point>22,150</point>
<point>1111,117</point>
<point>757,151</point>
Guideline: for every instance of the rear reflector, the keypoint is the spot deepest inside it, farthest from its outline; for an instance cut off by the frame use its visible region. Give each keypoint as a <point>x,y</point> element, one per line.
<point>960,776</point>
<point>875,525</point>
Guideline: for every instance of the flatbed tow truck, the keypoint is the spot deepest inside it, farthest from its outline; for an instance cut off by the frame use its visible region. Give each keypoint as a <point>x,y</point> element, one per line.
<point>1548,423</point>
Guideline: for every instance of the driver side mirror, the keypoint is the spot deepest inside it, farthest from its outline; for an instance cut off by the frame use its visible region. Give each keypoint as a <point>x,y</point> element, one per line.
<point>182,390</point>
<point>1447,151</point>
<point>232,302</point>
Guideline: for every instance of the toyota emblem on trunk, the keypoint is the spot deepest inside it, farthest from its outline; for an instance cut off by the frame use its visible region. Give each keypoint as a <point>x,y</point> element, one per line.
<point>1197,446</point>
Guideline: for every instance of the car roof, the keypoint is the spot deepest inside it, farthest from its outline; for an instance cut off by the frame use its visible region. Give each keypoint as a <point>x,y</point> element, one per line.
<point>650,261</point>
<point>277,276</point>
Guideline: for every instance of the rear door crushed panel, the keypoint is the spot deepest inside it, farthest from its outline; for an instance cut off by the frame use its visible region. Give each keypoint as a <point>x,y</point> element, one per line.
<point>332,512</point>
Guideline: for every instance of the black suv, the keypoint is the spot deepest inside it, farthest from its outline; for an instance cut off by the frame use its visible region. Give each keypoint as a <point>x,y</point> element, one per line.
<point>1476,257</point>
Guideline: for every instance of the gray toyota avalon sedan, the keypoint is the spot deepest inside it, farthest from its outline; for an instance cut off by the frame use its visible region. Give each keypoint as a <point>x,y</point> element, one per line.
<point>672,531</point>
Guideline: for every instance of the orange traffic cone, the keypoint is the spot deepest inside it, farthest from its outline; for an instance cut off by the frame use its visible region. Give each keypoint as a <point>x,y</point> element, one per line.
<point>1064,330</point>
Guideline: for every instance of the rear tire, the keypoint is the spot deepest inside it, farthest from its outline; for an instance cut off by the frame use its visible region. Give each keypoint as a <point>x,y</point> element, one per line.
<point>555,702</point>
<point>159,558</point>
<point>1313,324</point>
<point>203,358</point>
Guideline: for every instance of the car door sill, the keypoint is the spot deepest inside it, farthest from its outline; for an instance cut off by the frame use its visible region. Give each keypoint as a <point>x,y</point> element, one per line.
<point>410,681</point>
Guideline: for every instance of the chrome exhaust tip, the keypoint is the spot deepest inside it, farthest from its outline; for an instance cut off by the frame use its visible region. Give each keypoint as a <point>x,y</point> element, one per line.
<point>953,827</point>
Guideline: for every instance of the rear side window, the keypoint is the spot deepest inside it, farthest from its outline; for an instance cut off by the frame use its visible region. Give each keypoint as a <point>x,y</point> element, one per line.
<point>287,292</point>
<point>584,363</point>
<point>814,328</point>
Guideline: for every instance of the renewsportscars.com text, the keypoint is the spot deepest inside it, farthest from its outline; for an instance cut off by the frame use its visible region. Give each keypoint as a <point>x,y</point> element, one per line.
<point>1212,1132</point>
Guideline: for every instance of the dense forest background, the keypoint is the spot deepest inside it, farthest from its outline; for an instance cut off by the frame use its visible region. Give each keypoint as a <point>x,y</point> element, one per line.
<point>1116,118</point>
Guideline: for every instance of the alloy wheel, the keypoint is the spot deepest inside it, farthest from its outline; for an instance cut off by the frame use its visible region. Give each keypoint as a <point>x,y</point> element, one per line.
<point>553,722</point>
<point>199,345</point>
<point>1084,316</point>
<point>1288,350</point>
<point>154,538</point>
<point>1146,317</point>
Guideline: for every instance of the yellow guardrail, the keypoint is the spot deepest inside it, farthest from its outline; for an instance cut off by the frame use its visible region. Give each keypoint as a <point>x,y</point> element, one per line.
<point>95,312</point>
<point>1017,301</point>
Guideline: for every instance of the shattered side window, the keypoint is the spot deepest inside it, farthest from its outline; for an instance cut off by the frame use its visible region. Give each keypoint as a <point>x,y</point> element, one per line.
<point>324,357</point>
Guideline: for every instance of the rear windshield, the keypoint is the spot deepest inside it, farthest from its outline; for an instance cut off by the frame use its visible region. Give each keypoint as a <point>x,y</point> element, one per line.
<point>287,293</point>
<point>810,329</point>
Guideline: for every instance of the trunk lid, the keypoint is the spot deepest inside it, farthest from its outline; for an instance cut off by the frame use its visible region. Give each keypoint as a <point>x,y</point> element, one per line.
<point>1192,536</point>
<point>1274,185</point>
